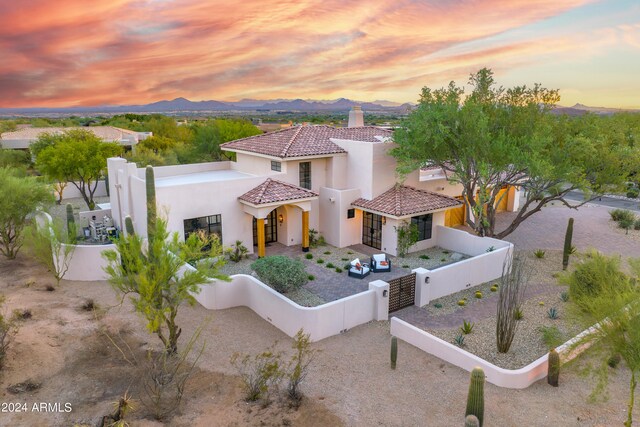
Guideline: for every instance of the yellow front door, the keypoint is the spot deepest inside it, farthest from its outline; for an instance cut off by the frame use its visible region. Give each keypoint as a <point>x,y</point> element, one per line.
<point>502,200</point>
<point>454,216</point>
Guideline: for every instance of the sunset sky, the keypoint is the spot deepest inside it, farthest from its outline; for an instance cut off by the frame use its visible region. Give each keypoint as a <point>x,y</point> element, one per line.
<point>58,53</point>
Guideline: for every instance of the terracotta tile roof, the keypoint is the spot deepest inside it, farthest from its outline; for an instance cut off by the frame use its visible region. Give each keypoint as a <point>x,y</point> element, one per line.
<point>107,133</point>
<point>402,200</point>
<point>273,191</point>
<point>305,140</point>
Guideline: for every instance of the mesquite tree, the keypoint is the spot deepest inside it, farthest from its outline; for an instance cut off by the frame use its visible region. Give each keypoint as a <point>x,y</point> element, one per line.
<point>497,137</point>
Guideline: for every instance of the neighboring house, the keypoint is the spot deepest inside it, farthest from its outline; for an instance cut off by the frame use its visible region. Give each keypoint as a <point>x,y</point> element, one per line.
<point>21,139</point>
<point>339,181</point>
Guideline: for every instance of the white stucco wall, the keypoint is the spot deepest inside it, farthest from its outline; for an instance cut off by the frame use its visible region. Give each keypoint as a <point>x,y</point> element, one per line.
<point>337,229</point>
<point>508,378</point>
<point>320,322</point>
<point>72,192</point>
<point>87,263</point>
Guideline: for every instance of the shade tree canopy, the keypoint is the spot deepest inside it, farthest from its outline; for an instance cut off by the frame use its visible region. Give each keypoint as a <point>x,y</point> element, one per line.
<point>497,137</point>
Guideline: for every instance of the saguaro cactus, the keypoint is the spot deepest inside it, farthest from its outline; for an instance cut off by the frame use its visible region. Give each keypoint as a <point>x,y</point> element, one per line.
<point>475,399</point>
<point>128,225</point>
<point>471,421</point>
<point>152,214</point>
<point>71,223</point>
<point>553,370</point>
<point>394,352</point>
<point>567,244</point>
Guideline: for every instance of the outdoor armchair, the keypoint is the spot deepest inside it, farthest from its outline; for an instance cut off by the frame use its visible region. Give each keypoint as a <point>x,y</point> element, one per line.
<point>380,263</point>
<point>358,269</point>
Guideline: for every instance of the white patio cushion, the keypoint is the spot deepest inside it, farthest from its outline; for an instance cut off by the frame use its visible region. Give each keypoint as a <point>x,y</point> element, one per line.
<point>379,257</point>
<point>364,270</point>
<point>355,262</point>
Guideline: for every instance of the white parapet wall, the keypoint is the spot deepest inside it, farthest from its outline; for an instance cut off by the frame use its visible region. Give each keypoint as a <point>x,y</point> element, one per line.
<point>486,264</point>
<point>319,322</point>
<point>508,378</point>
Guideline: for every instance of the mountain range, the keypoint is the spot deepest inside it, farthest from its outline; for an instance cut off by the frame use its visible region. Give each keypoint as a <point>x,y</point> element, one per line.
<point>185,105</point>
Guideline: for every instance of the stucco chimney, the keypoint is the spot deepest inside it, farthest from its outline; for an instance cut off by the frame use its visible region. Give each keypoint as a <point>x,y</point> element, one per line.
<point>356,117</point>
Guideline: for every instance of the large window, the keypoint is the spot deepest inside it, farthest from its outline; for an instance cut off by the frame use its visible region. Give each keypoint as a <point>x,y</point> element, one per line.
<point>305,175</point>
<point>276,166</point>
<point>211,224</point>
<point>424,224</point>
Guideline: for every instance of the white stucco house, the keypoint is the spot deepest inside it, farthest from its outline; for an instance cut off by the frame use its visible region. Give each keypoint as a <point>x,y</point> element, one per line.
<point>339,181</point>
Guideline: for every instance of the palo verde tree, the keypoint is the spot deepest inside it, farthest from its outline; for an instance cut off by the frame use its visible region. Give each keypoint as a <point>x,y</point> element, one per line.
<point>153,273</point>
<point>79,157</point>
<point>497,137</point>
<point>612,308</point>
<point>21,196</point>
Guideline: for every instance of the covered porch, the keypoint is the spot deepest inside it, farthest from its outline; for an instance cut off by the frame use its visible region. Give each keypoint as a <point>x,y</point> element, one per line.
<point>274,206</point>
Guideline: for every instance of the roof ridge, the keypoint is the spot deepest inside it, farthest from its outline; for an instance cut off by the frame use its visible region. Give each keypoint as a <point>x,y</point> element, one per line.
<point>265,185</point>
<point>284,151</point>
<point>261,135</point>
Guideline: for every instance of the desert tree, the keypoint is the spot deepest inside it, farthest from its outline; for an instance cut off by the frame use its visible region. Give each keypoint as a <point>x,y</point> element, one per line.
<point>496,137</point>
<point>154,275</point>
<point>513,283</point>
<point>611,308</point>
<point>78,157</point>
<point>52,244</point>
<point>21,196</point>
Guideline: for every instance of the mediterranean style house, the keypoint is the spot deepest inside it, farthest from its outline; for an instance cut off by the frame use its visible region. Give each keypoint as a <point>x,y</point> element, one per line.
<point>340,182</point>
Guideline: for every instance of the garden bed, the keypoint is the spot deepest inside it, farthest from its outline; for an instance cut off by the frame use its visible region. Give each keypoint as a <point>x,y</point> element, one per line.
<point>430,258</point>
<point>536,331</point>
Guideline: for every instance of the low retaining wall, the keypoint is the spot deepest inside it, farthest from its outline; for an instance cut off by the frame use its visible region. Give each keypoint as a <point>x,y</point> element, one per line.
<point>72,192</point>
<point>319,322</point>
<point>87,263</point>
<point>482,267</point>
<point>508,378</point>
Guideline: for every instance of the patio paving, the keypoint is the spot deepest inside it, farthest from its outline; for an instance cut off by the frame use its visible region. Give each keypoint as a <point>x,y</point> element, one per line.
<point>328,284</point>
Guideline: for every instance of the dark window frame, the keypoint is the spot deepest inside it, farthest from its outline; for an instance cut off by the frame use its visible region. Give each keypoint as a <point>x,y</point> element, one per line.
<point>425,226</point>
<point>211,224</point>
<point>276,166</point>
<point>304,172</point>
<point>351,213</point>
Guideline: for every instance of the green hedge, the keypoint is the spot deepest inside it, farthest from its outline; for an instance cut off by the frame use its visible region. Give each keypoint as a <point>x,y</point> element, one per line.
<point>282,273</point>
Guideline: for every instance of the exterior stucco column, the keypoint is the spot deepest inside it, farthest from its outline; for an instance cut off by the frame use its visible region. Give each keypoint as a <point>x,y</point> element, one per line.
<point>260,230</point>
<point>305,231</point>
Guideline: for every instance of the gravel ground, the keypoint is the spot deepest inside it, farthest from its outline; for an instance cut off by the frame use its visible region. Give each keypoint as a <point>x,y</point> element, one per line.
<point>542,294</point>
<point>437,257</point>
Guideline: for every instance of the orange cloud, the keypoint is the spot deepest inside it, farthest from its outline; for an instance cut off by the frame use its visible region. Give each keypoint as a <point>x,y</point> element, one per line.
<point>74,52</point>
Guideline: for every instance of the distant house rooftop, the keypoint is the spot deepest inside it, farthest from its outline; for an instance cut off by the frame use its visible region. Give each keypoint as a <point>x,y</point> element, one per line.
<point>305,141</point>
<point>23,137</point>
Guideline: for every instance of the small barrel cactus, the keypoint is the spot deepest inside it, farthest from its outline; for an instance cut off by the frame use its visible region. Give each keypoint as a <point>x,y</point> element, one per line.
<point>394,352</point>
<point>553,370</point>
<point>462,303</point>
<point>471,421</point>
<point>475,399</point>
<point>478,294</point>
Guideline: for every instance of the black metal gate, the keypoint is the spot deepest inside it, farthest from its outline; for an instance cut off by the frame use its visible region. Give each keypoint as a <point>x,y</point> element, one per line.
<point>402,292</point>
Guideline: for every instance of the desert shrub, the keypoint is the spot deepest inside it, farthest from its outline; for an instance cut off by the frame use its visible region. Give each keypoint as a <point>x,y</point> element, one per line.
<point>406,266</point>
<point>539,253</point>
<point>407,235</point>
<point>594,273</point>
<point>626,224</point>
<point>327,252</point>
<point>237,251</point>
<point>518,314</point>
<point>515,275</point>
<point>614,360</point>
<point>309,256</point>
<point>311,277</point>
<point>7,331</point>
<point>258,373</point>
<point>467,327</point>
<point>21,314</point>
<point>636,225</point>
<point>344,259</point>
<point>564,296</point>
<point>424,256</point>
<point>552,313</point>
<point>320,261</point>
<point>437,305</point>
<point>89,305</point>
<point>459,340</point>
<point>633,193</point>
<point>330,265</point>
<point>282,273</point>
<point>298,366</point>
<point>621,214</point>
<point>551,336</point>
<point>338,270</point>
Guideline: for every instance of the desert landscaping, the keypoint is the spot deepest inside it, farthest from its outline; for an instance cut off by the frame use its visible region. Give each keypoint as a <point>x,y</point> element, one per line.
<point>68,355</point>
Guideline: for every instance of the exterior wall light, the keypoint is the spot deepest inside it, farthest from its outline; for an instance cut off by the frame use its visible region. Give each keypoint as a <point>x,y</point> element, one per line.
<point>426,279</point>
<point>280,218</point>
<point>385,293</point>
<point>384,220</point>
